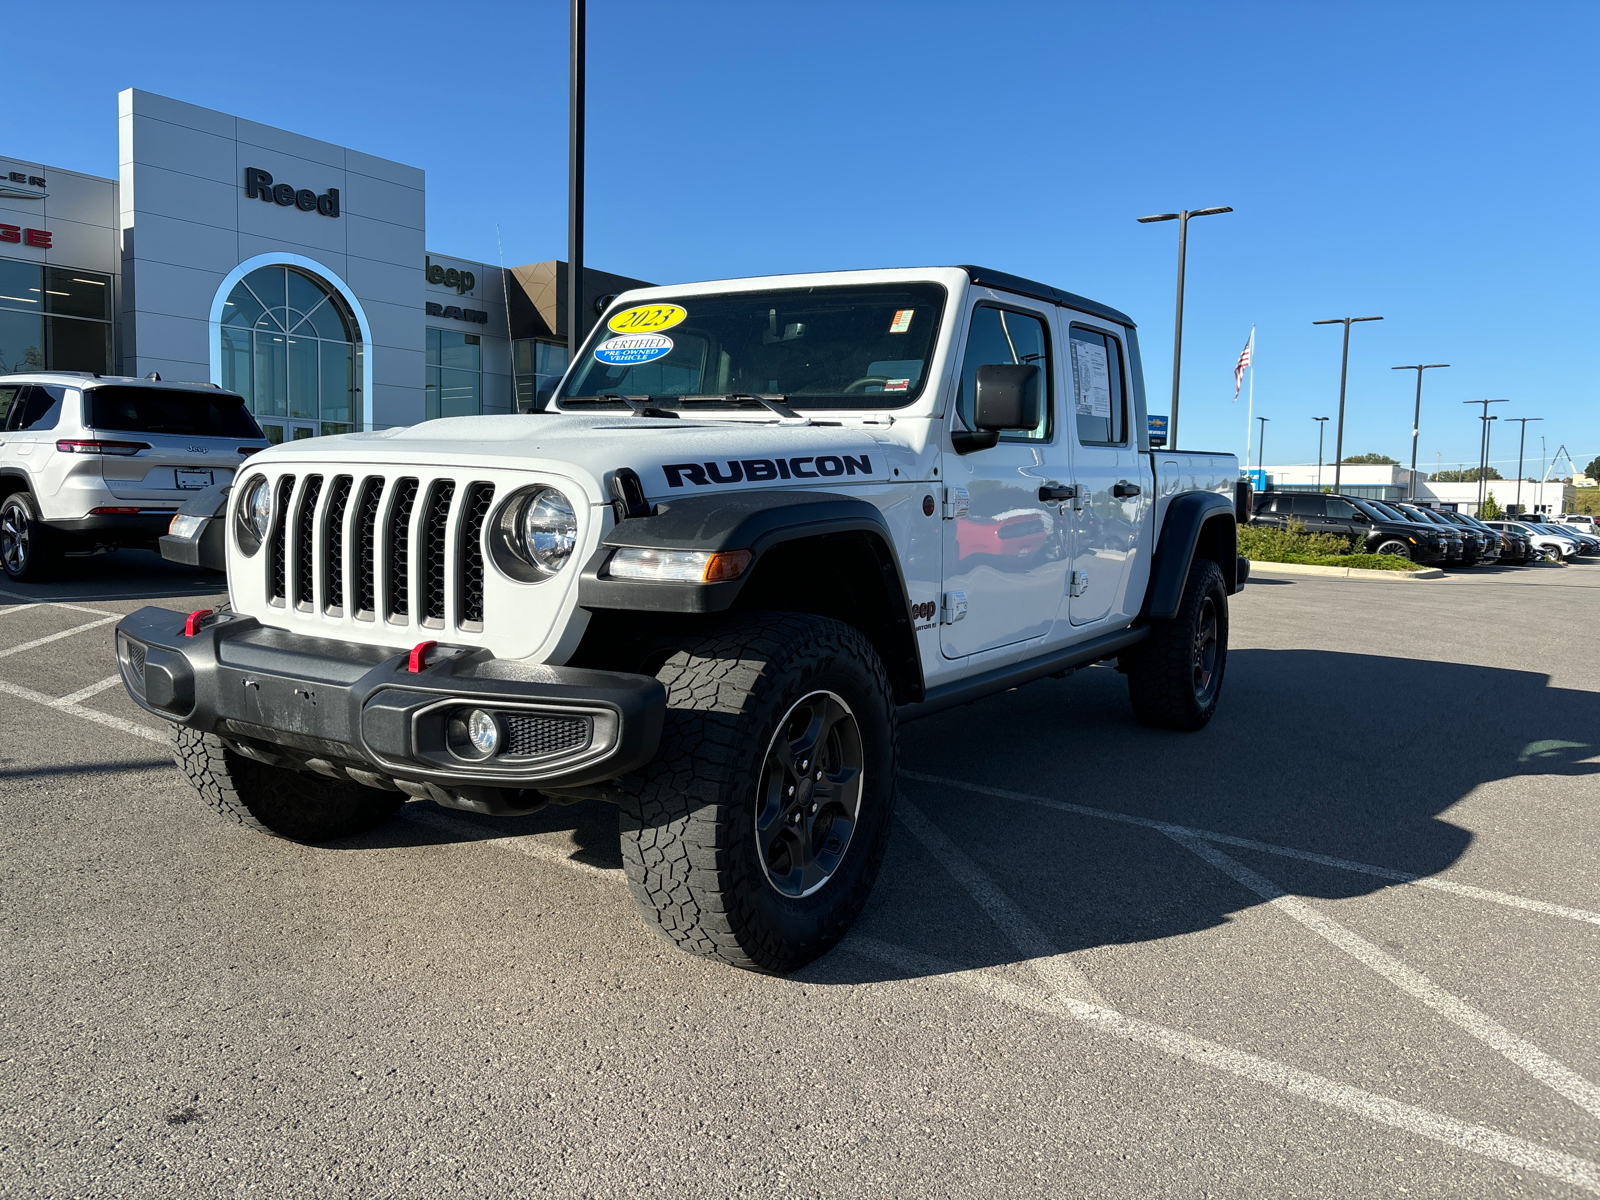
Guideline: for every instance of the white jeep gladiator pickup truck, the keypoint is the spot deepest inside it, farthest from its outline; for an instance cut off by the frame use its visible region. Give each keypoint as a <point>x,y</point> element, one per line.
<point>764,522</point>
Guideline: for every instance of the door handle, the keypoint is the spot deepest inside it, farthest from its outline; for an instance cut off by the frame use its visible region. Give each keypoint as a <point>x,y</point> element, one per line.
<point>1054,492</point>
<point>1122,489</point>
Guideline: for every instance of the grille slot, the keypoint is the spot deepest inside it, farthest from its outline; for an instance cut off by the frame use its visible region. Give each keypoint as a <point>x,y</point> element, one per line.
<point>333,560</point>
<point>135,658</point>
<point>529,736</point>
<point>473,514</point>
<point>398,576</point>
<point>366,600</point>
<point>277,567</point>
<point>435,520</point>
<point>305,525</point>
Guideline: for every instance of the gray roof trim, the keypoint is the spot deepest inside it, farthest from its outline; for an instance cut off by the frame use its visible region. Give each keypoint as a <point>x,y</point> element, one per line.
<point>986,277</point>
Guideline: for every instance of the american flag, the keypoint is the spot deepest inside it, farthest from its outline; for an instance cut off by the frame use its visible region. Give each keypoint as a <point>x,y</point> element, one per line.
<point>1245,356</point>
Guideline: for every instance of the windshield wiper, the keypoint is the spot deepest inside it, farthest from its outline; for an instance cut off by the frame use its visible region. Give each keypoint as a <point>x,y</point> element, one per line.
<point>774,404</point>
<point>642,406</point>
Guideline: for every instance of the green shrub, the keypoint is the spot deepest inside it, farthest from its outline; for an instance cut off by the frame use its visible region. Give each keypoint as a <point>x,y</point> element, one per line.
<point>1265,543</point>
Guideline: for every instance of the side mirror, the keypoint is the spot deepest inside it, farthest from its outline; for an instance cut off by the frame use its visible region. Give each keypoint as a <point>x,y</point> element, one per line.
<point>1361,518</point>
<point>1008,396</point>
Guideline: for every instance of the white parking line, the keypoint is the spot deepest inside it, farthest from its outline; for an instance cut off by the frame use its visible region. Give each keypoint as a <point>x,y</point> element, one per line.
<point>1554,1075</point>
<point>94,689</point>
<point>32,602</point>
<point>88,714</point>
<point>56,637</point>
<point>1475,1139</point>
<point>1410,1118</point>
<point>1343,864</point>
<point>1045,957</point>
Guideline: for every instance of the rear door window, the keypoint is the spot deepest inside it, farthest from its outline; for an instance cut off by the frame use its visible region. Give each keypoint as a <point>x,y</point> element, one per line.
<point>181,413</point>
<point>36,407</point>
<point>1098,396</point>
<point>1340,510</point>
<point>1308,506</point>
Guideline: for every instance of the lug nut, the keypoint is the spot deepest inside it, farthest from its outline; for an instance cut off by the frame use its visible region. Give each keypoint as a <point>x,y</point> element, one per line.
<point>791,789</point>
<point>819,776</point>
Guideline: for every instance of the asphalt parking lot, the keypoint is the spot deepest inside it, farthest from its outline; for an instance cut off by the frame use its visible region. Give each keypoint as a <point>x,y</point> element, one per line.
<point>1344,943</point>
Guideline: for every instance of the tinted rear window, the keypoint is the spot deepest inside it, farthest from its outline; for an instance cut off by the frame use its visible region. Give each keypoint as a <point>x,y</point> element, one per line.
<point>155,410</point>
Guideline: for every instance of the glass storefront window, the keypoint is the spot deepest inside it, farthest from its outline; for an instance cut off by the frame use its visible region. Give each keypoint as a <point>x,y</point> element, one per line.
<point>54,318</point>
<point>290,348</point>
<point>454,374</point>
<point>538,367</point>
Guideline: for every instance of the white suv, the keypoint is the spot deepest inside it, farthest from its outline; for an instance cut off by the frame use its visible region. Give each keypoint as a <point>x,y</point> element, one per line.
<point>90,462</point>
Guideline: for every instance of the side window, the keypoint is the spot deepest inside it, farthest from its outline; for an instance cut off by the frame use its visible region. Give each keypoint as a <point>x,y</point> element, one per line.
<point>8,396</point>
<point>1341,510</point>
<point>42,409</point>
<point>1004,335</point>
<point>1099,399</point>
<point>1308,506</point>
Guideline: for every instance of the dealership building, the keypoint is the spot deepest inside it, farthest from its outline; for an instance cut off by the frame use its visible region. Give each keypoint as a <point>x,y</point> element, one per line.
<point>290,270</point>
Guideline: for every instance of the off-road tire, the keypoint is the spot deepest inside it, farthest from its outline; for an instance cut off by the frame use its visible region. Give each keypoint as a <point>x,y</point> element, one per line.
<point>290,804</point>
<point>688,819</point>
<point>1163,679</point>
<point>28,551</point>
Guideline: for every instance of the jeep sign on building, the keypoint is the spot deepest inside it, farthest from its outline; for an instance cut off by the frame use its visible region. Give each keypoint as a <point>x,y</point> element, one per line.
<point>288,269</point>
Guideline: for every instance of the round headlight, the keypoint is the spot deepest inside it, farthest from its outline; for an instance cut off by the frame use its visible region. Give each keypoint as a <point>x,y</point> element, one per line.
<point>257,509</point>
<point>548,529</point>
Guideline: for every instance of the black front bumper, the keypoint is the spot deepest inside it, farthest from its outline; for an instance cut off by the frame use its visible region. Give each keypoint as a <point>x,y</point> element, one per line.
<point>347,709</point>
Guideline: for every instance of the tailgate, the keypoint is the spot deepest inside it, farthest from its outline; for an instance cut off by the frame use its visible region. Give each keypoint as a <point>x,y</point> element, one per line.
<point>173,468</point>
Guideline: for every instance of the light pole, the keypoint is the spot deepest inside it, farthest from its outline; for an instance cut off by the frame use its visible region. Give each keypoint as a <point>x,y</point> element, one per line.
<point>1483,453</point>
<point>1182,218</point>
<point>1416,420</point>
<point>1344,370</point>
<point>1261,449</point>
<point>1322,428</point>
<point>1521,442</point>
<point>575,330</point>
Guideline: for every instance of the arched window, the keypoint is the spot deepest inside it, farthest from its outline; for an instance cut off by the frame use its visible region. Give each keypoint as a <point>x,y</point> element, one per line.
<point>291,349</point>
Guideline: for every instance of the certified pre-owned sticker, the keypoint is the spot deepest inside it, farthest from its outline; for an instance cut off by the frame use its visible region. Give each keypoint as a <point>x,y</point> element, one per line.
<point>646,318</point>
<point>632,349</point>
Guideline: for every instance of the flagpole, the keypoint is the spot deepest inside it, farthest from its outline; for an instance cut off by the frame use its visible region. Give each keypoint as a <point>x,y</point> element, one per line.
<point>1250,418</point>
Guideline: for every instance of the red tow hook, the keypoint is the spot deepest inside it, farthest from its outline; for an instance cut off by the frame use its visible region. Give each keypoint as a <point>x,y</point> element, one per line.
<point>191,625</point>
<point>419,657</point>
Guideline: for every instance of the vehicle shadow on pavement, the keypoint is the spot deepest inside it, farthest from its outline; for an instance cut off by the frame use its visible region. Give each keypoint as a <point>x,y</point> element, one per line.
<point>1355,756</point>
<point>124,575</point>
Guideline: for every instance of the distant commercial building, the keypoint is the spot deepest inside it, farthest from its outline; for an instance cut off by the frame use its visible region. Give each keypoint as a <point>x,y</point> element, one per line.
<point>1377,482</point>
<point>288,269</point>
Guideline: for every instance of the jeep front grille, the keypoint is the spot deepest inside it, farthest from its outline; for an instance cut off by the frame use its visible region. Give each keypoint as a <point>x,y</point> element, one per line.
<point>403,551</point>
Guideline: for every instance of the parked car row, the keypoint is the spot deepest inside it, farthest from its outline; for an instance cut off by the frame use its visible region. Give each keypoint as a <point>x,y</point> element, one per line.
<point>1424,535</point>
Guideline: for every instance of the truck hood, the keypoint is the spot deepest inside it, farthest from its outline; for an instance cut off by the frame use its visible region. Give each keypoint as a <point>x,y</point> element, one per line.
<point>672,457</point>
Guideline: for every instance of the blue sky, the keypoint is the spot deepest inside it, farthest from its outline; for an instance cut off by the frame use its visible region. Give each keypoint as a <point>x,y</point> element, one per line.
<point>1432,163</point>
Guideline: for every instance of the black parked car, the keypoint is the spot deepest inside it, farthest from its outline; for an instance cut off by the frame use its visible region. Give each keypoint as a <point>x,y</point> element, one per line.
<point>1370,531</point>
<point>1478,545</point>
<point>1455,539</point>
<point>1514,547</point>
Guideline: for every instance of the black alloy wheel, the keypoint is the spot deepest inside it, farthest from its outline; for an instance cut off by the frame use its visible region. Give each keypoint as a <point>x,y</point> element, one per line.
<point>1206,643</point>
<point>24,553</point>
<point>809,798</point>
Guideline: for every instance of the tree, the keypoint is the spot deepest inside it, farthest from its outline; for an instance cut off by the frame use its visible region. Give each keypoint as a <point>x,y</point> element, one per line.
<point>1593,470</point>
<point>1466,475</point>
<point>1491,510</point>
<point>1372,459</point>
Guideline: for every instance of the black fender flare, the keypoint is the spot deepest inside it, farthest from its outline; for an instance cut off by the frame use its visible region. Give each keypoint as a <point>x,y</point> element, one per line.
<point>1190,517</point>
<point>758,522</point>
<point>753,521</point>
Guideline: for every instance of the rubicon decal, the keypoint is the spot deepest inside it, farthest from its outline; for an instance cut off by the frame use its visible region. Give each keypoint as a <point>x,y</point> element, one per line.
<point>758,470</point>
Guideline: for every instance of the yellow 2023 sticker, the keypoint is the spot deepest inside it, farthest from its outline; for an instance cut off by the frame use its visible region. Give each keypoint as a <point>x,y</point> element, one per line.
<point>646,318</point>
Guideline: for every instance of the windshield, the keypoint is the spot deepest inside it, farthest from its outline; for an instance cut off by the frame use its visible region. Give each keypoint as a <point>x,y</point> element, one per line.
<point>156,410</point>
<point>1420,515</point>
<point>838,347</point>
<point>1390,514</point>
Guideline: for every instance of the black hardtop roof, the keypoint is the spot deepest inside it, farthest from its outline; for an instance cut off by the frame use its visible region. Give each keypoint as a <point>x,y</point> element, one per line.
<point>1043,291</point>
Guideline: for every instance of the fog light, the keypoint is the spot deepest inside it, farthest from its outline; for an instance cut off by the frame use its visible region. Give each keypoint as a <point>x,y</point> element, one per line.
<point>473,734</point>
<point>483,731</point>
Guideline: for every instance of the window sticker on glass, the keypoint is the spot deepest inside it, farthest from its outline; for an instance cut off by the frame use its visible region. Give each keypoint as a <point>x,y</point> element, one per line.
<point>902,320</point>
<point>896,385</point>
<point>1091,379</point>
<point>632,349</point>
<point>647,318</point>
